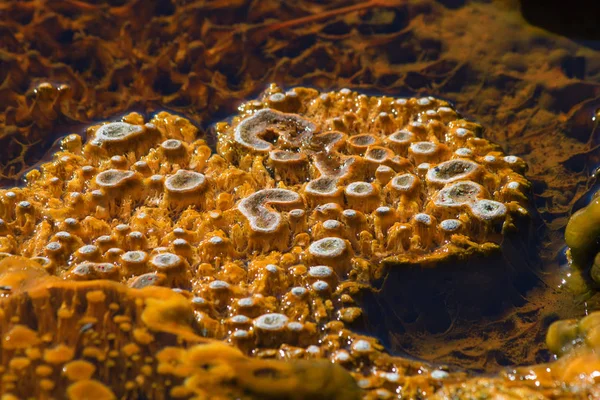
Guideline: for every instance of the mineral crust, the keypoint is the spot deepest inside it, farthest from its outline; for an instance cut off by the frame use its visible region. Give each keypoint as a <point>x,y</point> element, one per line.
<point>263,245</point>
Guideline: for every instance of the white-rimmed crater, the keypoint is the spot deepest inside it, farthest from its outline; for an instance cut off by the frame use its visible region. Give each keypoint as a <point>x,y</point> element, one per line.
<point>271,322</point>
<point>257,208</point>
<point>324,186</point>
<point>329,247</point>
<point>270,124</point>
<point>184,181</point>
<point>452,170</point>
<point>118,132</point>
<point>488,209</point>
<point>404,182</point>
<point>113,178</point>
<point>459,193</point>
<point>166,261</point>
<point>360,189</point>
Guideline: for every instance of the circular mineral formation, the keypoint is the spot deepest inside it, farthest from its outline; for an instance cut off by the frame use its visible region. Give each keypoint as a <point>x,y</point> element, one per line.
<point>118,131</point>
<point>263,245</point>
<point>184,182</point>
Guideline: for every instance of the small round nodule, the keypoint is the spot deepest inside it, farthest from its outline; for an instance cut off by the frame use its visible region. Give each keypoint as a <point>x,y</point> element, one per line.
<point>113,178</point>
<point>240,319</point>
<point>142,281</point>
<point>329,247</point>
<point>462,132</point>
<point>362,141</point>
<point>113,253</point>
<point>295,326</point>
<point>135,235</point>
<point>136,256</point>
<point>71,222</point>
<point>63,236</point>
<point>320,286</point>
<point>106,270</point>
<point>361,346</point>
<point>117,132</point>
<point>322,186</point>
<point>404,182</point>
<point>272,268</point>
<point>384,173</point>
<point>87,170</point>
<point>218,285</point>
<point>297,213</point>
<point>426,148</point>
<point>172,145</point>
<point>320,271</point>
<point>450,225</point>
<point>422,218</point>
<point>341,356</point>
<point>277,97</point>
<point>184,181</point>
<point>156,179</point>
<point>25,205</point>
<point>463,152</point>
<point>350,214</point>
<point>298,291</point>
<point>246,302</point>
<point>271,322</point>
<point>240,334</point>
<point>123,228</point>
<point>288,157</point>
<point>439,374</point>
<point>216,240</point>
<point>98,195</point>
<point>166,261</point>
<point>180,243</point>
<point>379,154</point>
<point>43,261</point>
<point>402,137</point>
<point>88,251</point>
<point>360,189</point>
<point>198,301</point>
<point>383,211</point>
<point>332,224</point>
<point>141,165</point>
<point>83,270</point>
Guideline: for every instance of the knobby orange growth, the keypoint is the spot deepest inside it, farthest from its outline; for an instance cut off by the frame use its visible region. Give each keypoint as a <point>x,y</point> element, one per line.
<point>259,249</point>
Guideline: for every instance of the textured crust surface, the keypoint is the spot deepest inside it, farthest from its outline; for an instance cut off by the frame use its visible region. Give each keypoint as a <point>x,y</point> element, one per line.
<point>255,252</point>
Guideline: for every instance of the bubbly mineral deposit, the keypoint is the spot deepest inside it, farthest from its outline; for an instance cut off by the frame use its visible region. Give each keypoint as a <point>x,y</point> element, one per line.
<point>262,245</point>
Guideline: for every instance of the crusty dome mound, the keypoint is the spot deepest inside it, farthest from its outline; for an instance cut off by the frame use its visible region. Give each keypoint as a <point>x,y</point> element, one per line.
<point>157,265</point>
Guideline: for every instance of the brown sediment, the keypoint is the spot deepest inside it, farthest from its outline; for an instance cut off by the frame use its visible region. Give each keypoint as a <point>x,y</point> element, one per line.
<point>573,376</point>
